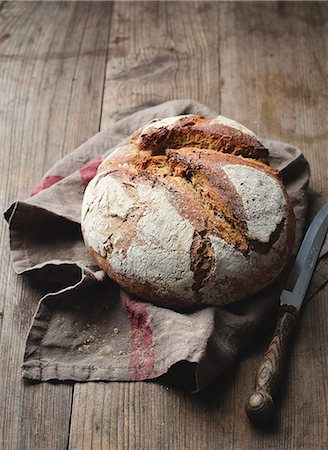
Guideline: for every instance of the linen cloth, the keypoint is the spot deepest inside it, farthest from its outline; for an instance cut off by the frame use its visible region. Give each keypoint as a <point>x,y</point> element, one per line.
<point>85,328</point>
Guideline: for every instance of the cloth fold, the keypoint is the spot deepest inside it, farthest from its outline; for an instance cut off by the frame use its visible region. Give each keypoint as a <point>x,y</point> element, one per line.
<point>85,328</point>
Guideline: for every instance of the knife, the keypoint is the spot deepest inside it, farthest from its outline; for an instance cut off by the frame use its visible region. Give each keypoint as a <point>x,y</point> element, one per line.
<point>260,404</point>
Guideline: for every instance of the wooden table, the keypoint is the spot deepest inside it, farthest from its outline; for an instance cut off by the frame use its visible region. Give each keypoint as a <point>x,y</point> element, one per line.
<point>70,69</point>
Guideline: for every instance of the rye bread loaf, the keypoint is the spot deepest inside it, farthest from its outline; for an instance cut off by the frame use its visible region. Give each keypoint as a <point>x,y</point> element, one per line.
<point>188,215</point>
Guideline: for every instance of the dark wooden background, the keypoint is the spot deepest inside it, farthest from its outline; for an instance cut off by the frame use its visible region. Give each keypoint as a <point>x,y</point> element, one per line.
<point>70,69</point>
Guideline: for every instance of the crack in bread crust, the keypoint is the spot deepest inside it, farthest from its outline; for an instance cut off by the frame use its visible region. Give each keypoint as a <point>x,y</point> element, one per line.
<point>200,132</point>
<point>265,247</point>
<point>202,261</point>
<point>220,220</point>
<point>219,217</point>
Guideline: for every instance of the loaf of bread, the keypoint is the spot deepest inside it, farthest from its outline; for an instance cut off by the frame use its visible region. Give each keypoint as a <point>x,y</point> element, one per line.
<point>189,214</point>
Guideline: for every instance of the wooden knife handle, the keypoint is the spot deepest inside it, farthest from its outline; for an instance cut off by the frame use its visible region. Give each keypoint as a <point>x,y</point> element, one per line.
<point>260,405</point>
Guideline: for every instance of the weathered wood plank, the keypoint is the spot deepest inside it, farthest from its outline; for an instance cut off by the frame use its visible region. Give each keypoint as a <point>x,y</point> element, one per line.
<point>52,58</point>
<point>160,51</point>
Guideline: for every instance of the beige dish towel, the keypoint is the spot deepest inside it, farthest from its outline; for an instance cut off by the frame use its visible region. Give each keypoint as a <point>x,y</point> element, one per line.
<point>85,328</point>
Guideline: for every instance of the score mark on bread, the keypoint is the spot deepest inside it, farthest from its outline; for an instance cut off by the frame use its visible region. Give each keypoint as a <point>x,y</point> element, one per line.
<point>188,214</point>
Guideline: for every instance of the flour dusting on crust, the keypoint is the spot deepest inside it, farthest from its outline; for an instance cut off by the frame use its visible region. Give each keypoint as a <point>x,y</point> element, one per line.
<point>225,121</point>
<point>160,254</point>
<point>104,199</point>
<point>164,123</point>
<point>235,272</point>
<point>263,199</point>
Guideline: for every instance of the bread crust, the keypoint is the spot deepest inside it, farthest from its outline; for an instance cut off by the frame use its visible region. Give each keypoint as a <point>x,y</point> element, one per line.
<point>200,132</point>
<point>188,226</point>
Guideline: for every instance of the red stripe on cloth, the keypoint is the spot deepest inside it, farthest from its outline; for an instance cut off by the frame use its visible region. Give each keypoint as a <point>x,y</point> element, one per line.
<point>89,171</point>
<point>142,358</point>
<point>45,183</point>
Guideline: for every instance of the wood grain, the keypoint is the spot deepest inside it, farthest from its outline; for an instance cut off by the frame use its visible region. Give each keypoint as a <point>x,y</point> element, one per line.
<point>260,404</point>
<point>52,58</point>
<point>68,69</point>
<point>159,51</point>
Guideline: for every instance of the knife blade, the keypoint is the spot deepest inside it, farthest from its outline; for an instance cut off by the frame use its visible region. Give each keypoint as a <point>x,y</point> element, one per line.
<point>260,404</point>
